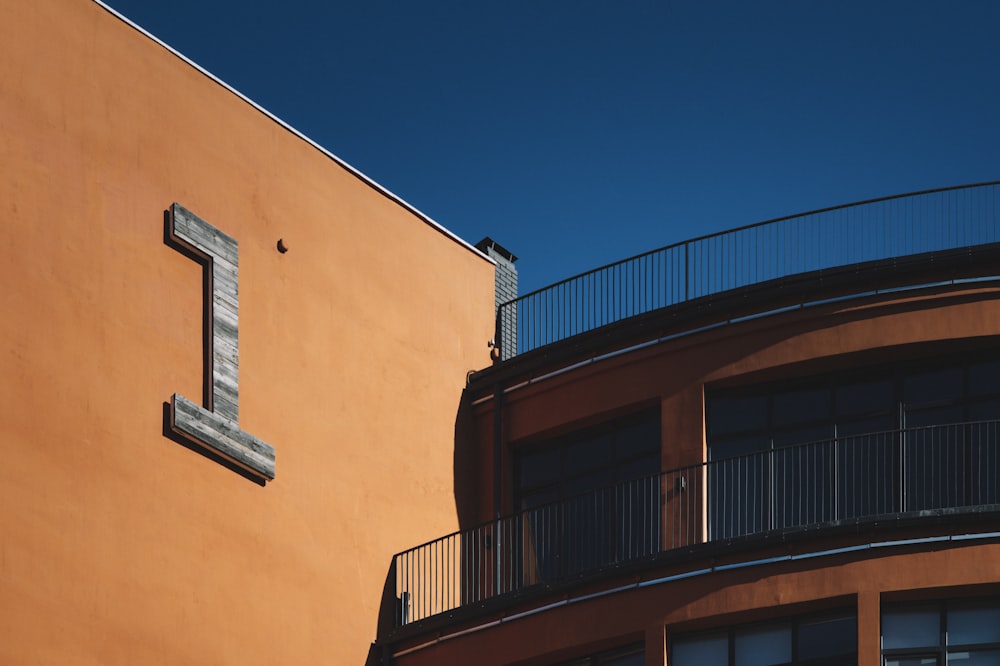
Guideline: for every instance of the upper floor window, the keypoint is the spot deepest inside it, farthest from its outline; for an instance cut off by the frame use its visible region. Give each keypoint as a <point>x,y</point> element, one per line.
<point>634,655</point>
<point>965,632</point>
<point>828,639</point>
<point>591,497</point>
<point>615,451</point>
<point>888,439</point>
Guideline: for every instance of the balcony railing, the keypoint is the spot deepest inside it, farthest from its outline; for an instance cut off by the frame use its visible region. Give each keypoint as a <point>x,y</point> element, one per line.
<point>878,229</point>
<point>855,478</point>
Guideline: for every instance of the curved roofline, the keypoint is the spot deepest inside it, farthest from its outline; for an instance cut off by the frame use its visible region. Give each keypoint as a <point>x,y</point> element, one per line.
<point>358,174</point>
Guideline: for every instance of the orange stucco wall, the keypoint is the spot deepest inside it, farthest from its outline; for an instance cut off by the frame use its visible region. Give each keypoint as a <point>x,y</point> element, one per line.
<point>117,545</point>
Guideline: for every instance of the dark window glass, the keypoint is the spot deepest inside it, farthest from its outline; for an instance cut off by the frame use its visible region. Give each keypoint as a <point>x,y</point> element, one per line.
<point>540,467</point>
<point>638,438</point>
<point>913,627</point>
<point>975,623</point>
<point>639,467</point>
<point>803,479</point>
<point>586,513</point>
<point>763,646</point>
<point>953,632</point>
<point>865,398</point>
<point>811,639</point>
<point>987,410</point>
<point>932,387</point>
<point>739,501</point>
<point>630,656</point>
<point>738,447</point>
<point>701,650</point>
<point>866,465</point>
<point>602,478</point>
<point>537,499</point>
<point>917,660</point>
<point>977,658</point>
<point>800,407</point>
<point>802,435</point>
<point>588,453</point>
<point>934,416</point>
<point>863,426</point>
<point>984,456</point>
<point>633,659</point>
<point>737,414</point>
<point>829,637</point>
<point>902,438</point>
<point>984,378</point>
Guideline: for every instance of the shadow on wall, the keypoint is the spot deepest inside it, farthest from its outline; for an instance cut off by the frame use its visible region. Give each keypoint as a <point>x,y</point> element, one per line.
<point>467,467</point>
<point>467,471</point>
<point>389,610</point>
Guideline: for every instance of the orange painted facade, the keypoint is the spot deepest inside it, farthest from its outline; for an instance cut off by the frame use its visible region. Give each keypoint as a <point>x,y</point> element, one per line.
<point>117,544</point>
<point>675,375</point>
<point>362,351</point>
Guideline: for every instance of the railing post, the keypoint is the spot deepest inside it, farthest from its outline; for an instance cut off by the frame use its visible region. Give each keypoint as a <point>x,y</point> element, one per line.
<point>687,271</point>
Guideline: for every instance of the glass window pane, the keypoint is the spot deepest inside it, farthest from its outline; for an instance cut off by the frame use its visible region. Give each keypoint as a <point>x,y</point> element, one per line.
<point>979,658</point>
<point>737,447</point>
<point>865,398</point>
<point>737,414</point>
<point>984,378</point>
<point>541,498</point>
<point>710,650</point>
<point>911,661</point>
<point>634,659</point>
<point>801,407</point>
<point>968,625</point>
<point>587,452</point>
<point>539,468</point>
<point>639,468</point>
<point>863,426</point>
<point>934,416</point>
<point>911,627</point>
<point>638,437</point>
<point>828,637</point>
<point>987,410</point>
<point>764,646</point>
<point>600,479</point>
<point>933,386</point>
<point>818,433</point>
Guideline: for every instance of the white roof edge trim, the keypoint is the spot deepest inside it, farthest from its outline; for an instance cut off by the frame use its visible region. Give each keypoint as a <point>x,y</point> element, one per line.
<point>399,200</point>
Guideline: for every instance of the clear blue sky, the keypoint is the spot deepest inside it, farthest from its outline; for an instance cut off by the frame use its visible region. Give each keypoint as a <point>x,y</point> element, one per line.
<point>579,133</point>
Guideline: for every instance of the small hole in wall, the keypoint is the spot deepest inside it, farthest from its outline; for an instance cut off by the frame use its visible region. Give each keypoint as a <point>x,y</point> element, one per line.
<point>282,248</point>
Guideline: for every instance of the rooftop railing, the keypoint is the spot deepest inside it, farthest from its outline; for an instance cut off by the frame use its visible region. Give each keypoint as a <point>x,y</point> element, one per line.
<point>907,472</point>
<point>877,229</point>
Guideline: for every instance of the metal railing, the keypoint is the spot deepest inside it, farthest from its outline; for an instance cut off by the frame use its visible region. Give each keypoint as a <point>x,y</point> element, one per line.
<point>850,478</point>
<point>885,228</point>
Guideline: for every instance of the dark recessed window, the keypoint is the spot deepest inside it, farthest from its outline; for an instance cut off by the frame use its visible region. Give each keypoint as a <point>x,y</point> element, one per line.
<point>591,498</point>
<point>965,632</point>
<point>633,655</point>
<point>886,439</point>
<point>828,638</point>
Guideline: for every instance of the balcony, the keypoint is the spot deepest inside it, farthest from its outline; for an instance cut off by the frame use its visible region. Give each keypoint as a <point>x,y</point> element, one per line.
<point>833,490</point>
<point>845,250</point>
<point>912,474</point>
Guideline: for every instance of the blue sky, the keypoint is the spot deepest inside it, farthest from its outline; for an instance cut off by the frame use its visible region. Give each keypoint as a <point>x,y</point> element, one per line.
<point>579,133</point>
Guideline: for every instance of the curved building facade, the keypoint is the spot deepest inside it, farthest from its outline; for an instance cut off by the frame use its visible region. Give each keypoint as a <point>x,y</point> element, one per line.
<point>794,460</point>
